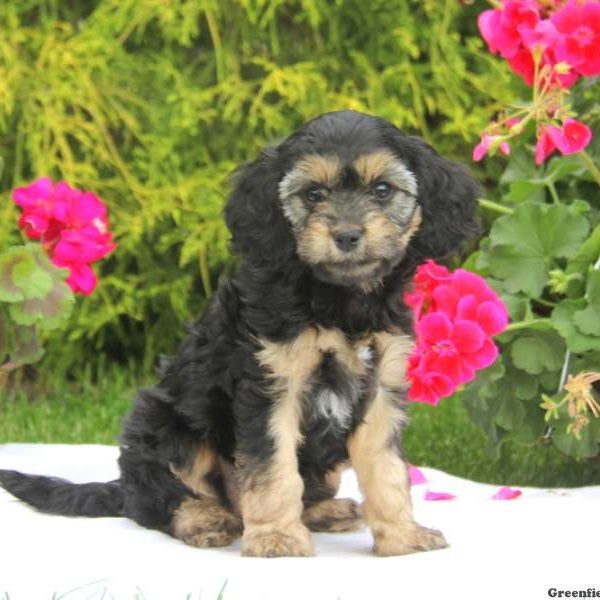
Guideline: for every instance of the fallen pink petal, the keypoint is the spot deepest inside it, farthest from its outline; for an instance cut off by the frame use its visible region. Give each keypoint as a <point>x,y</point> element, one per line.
<point>506,493</point>
<point>434,496</point>
<point>416,475</point>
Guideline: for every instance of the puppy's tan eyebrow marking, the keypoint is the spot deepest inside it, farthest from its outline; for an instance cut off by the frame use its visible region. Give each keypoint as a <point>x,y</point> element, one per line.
<point>320,169</point>
<point>371,167</point>
<point>384,165</point>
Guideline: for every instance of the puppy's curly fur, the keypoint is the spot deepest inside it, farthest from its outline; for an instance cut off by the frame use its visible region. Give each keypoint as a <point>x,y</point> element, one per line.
<point>297,367</point>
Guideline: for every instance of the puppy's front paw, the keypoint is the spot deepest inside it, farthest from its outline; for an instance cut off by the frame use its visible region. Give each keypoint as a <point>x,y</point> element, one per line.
<point>296,541</point>
<point>406,540</point>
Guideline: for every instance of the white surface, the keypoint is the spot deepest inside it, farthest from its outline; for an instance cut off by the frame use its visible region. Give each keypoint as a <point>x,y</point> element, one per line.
<point>514,549</point>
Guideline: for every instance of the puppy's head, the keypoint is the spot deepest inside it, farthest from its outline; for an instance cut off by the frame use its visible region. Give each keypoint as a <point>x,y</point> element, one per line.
<point>352,198</point>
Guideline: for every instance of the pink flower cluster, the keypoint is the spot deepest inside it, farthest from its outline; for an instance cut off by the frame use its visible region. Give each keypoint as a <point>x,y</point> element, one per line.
<point>71,225</point>
<point>456,315</point>
<point>559,32</point>
<point>570,138</point>
<point>550,44</point>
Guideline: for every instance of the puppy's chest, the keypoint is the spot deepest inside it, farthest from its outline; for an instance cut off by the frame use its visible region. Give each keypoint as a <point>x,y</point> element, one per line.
<point>327,380</point>
<point>334,396</point>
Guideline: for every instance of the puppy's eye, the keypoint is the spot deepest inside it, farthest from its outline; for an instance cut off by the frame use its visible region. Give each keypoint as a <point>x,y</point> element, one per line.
<point>382,189</point>
<point>314,194</point>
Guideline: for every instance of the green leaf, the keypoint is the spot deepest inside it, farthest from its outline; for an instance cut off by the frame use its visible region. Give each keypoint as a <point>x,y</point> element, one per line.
<point>27,348</point>
<point>537,352</point>
<point>9,291</point>
<point>523,245</point>
<point>481,399</point>
<point>511,413</point>
<point>587,254</point>
<point>526,386</point>
<point>562,166</point>
<point>521,168</point>
<point>532,426</point>
<point>49,313</point>
<point>525,191</point>
<point>588,319</point>
<point>585,447</point>
<point>4,336</point>
<point>563,319</point>
<point>31,279</point>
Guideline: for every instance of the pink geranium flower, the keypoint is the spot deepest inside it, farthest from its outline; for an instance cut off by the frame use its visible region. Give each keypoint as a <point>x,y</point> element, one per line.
<point>507,493</point>
<point>483,147</point>
<point>544,146</point>
<point>456,314</point>
<point>572,137</point>
<point>502,28</point>
<point>71,225</point>
<point>579,44</point>
<point>434,496</point>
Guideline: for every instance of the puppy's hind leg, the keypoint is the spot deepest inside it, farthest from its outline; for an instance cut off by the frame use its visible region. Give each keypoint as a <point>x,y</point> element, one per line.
<point>324,512</point>
<point>205,523</point>
<point>334,515</point>
<point>204,519</point>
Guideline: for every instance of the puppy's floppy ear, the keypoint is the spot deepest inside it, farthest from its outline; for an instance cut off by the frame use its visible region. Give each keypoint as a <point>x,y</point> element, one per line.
<point>448,199</point>
<point>253,213</point>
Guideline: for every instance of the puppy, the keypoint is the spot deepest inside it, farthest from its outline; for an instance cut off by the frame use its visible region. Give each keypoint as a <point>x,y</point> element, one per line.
<point>297,368</point>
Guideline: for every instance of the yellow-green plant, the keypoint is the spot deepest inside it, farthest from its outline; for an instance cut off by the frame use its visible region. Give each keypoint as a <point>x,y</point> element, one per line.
<point>151,104</point>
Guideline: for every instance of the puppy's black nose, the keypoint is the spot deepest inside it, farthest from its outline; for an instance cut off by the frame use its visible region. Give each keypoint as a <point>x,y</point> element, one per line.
<point>347,239</point>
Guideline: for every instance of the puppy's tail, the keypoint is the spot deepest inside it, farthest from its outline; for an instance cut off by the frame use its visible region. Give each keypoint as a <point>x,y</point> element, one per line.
<point>61,497</point>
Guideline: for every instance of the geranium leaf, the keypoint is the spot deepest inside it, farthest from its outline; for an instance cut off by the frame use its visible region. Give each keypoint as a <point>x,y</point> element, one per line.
<point>49,312</point>
<point>588,319</point>
<point>538,352</point>
<point>561,166</point>
<point>4,336</point>
<point>31,279</point>
<point>511,413</point>
<point>524,244</point>
<point>532,426</point>
<point>521,168</point>
<point>525,191</point>
<point>27,348</point>
<point>563,319</point>
<point>526,386</point>
<point>586,255</point>
<point>9,291</point>
<point>587,446</point>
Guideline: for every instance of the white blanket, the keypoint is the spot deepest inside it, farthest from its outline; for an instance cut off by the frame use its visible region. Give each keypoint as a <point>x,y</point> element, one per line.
<point>512,549</point>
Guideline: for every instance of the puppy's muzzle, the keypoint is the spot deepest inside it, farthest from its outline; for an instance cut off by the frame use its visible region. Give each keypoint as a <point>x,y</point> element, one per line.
<point>347,238</point>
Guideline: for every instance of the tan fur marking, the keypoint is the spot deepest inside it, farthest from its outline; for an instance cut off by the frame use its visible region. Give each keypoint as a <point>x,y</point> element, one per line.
<point>194,476</point>
<point>382,474</point>
<point>315,244</point>
<point>271,501</point>
<point>381,236</point>
<point>204,522</point>
<point>370,167</point>
<point>320,169</point>
<point>334,514</point>
<point>393,350</point>
<point>414,226</point>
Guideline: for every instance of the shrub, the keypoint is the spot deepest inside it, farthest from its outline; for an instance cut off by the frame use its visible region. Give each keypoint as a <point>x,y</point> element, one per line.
<point>151,105</point>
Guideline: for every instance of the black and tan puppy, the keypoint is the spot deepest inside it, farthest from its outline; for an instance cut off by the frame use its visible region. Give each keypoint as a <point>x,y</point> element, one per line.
<point>296,369</point>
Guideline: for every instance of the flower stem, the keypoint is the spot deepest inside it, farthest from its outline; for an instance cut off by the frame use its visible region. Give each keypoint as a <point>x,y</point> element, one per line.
<point>592,167</point>
<point>525,324</point>
<point>552,189</point>
<point>491,205</point>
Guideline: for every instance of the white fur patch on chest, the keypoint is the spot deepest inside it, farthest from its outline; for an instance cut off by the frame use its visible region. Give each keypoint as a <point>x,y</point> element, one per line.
<point>334,409</point>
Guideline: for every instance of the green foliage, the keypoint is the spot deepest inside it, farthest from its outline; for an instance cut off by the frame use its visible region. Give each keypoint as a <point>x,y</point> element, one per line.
<point>34,298</point>
<point>151,104</point>
<point>543,260</point>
